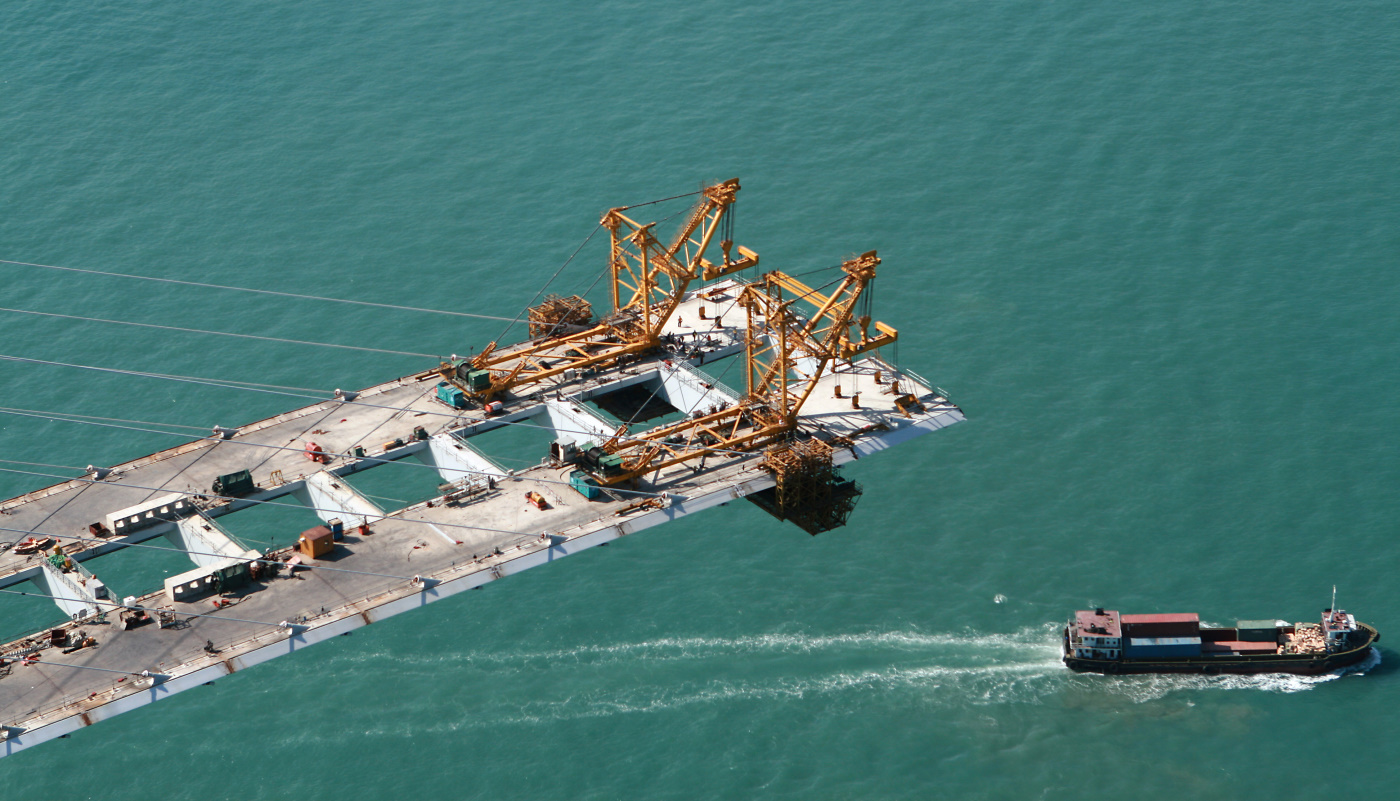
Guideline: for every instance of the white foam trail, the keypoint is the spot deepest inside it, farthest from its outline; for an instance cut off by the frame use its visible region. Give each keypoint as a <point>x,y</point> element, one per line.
<point>1152,687</point>
<point>949,670</point>
<point>677,648</point>
<point>975,686</point>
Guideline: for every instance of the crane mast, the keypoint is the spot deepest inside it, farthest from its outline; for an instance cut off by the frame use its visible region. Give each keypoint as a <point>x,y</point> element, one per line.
<point>785,355</point>
<point>649,281</point>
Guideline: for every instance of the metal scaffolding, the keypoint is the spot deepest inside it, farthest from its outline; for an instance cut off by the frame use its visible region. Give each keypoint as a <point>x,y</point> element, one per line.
<point>557,316</point>
<point>810,492</point>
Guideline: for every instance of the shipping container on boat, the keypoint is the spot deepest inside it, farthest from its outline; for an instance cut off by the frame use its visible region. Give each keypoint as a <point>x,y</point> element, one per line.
<point>1103,641</point>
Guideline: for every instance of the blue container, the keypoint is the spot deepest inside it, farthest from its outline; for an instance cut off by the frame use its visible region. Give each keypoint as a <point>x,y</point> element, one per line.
<point>451,395</point>
<point>584,484</point>
<point>1161,647</point>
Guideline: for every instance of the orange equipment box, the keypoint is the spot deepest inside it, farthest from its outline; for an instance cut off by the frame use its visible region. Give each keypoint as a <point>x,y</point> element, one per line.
<point>316,542</point>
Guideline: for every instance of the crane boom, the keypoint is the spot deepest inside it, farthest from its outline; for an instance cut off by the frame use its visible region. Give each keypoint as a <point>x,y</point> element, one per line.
<point>648,283</point>
<point>786,354</point>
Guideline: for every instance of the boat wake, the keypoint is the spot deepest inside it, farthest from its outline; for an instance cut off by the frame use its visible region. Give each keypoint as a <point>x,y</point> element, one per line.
<point>901,668</point>
<point>1039,641</point>
<point>1145,688</point>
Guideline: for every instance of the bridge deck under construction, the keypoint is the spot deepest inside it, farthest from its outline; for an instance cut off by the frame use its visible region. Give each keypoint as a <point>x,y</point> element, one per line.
<point>407,557</point>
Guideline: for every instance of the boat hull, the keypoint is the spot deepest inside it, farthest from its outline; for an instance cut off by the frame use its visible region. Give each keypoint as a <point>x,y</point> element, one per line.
<point>1263,663</point>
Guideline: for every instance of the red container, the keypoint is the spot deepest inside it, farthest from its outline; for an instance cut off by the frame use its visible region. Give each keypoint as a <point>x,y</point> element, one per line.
<point>1168,625</point>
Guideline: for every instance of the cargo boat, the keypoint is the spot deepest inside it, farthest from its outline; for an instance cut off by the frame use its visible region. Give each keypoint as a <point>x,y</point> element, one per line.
<point>1102,641</point>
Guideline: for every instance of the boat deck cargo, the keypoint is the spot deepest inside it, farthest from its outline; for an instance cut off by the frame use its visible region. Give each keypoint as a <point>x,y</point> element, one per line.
<point>1102,641</point>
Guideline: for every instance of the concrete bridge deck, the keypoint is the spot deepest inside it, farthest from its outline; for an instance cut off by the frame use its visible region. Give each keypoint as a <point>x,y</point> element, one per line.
<point>409,557</point>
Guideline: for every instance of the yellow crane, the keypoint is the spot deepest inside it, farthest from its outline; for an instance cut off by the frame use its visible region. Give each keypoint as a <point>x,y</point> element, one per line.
<point>648,281</point>
<point>786,354</point>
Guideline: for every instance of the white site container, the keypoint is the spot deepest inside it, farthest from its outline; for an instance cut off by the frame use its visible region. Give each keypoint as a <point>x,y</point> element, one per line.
<point>147,513</point>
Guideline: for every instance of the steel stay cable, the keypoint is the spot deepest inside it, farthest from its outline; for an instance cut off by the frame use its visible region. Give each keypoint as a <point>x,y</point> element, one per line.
<point>43,464</point>
<point>288,394</point>
<point>219,333</point>
<point>188,552</point>
<point>302,296</point>
<point>115,605</point>
<point>229,383</point>
<point>247,289</point>
<point>270,503</point>
<point>181,379</point>
<point>79,667</point>
<point>298,450</point>
<point>318,399</point>
<point>95,417</point>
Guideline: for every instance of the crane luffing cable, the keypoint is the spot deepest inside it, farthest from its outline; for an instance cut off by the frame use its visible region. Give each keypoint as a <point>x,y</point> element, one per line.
<point>265,561</point>
<point>662,200</point>
<point>273,503</point>
<point>727,367</point>
<point>319,399</point>
<point>603,272</point>
<point>257,291</point>
<point>542,289</point>
<point>693,406</point>
<point>219,333</point>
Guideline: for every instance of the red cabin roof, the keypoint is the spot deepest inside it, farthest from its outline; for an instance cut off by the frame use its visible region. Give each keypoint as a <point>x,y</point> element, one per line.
<point>1090,621</point>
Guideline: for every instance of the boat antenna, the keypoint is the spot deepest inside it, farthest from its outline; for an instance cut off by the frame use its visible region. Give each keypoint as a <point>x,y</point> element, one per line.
<point>1334,598</point>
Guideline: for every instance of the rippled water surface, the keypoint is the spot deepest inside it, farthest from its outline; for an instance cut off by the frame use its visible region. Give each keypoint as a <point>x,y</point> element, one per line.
<point>1149,249</point>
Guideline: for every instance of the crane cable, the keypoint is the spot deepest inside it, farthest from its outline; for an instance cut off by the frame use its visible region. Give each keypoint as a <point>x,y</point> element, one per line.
<point>220,333</point>
<point>277,448</point>
<point>318,399</point>
<point>300,296</point>
<point>200,553</point>
<point>256,291</point>
<point>389,516</point>
<point>542,289</point>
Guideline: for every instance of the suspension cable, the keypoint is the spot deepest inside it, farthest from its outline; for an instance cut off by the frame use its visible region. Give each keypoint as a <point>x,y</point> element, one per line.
<point>61,415</point>
<point>114,605</point>
<point>219,333</point>
<point>272,503</point>
<point>257,291</point>
<point>247,444</point>
<point>188,552</point>
<point>207,382</point>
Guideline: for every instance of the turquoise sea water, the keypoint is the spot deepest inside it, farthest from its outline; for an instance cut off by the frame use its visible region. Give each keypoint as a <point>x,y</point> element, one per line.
<point>1149,248</point>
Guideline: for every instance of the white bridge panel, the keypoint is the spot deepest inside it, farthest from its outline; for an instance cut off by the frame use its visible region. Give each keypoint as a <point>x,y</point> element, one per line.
<point>331,497</point>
